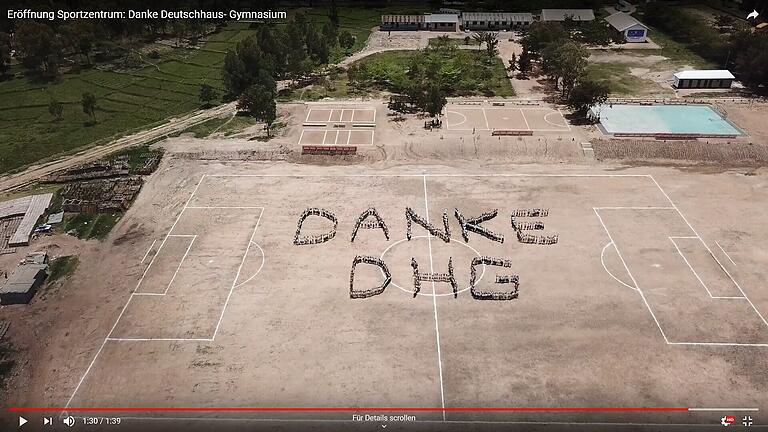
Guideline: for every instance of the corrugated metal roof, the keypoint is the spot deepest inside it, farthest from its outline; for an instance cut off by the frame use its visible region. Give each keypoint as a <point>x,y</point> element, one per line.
<point>704,74</point>
<point>23,278</point>
<point>622,21</point>
<point>561,14</point>
<point>403,18</point>
<point>432,18</point>
<point>497,16</point>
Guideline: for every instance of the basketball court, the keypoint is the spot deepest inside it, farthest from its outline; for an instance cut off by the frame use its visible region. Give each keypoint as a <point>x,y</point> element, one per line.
<point>536,119</point>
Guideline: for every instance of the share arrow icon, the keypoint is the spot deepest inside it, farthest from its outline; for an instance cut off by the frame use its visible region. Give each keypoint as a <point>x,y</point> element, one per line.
<point>753,15</point>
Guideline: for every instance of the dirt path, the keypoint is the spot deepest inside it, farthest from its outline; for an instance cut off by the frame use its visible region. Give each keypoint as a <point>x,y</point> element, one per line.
<point>35,172</point>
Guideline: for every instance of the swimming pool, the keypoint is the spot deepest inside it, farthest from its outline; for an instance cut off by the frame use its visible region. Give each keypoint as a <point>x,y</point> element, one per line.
<point>663,119</point>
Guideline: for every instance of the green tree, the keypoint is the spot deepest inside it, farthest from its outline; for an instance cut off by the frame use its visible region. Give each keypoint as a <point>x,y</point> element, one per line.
<point>258,101</point>
<point>434,100</point>
<point>586,95</point>
<point>82,37</point>
<point>38,47</point>
<point>55,109</point>
<point>491,41</point>
<point>564,63</point>
<point>524,64</point>
<point>233,74</point>
<point>5,54</point>
<point>512,63</point>
<point>541,34</point>
<point>346,40</point>
<point>88,102</point>
<point>207,94</point>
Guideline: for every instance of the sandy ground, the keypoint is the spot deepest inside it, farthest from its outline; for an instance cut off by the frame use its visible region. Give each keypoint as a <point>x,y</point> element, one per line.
<point>275,326</point>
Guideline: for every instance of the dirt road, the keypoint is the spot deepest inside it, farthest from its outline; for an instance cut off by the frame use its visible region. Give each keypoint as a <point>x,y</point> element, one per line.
<point>35,172</point>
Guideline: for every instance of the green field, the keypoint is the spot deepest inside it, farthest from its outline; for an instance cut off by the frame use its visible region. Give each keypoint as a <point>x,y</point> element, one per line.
<point>127,100</point>
<point>462,71</point>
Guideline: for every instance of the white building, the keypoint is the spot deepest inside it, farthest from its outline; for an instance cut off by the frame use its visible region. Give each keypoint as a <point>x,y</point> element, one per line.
<point>689,79</point>
<point>632,29</point>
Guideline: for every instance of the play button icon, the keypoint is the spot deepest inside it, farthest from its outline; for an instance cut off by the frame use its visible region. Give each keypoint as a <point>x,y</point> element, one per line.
<point>22,421</point>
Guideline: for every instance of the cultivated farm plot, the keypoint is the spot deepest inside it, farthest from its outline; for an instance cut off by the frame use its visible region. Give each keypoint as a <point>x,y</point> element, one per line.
<point>463,118</point>
<point>626,307</point>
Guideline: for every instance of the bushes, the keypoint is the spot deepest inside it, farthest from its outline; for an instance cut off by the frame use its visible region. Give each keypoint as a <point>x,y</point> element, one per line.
<point>702,39</point>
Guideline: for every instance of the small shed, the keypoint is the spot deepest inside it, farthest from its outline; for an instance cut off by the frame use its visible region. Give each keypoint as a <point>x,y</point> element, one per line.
<point>703,79</point>
<point>22,284</point>
<point>441,22</point>
<point>632,29</point>
<point>560,15</point>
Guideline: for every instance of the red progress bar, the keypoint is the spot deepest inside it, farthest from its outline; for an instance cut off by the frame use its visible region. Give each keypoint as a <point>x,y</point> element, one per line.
<point>350,409</point>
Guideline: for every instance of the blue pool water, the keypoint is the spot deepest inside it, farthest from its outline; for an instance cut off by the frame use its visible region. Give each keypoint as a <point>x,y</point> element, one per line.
<point>683,119</point>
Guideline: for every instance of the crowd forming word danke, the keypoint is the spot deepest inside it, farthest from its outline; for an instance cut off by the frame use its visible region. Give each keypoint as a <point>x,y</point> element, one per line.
<point>370,219</point>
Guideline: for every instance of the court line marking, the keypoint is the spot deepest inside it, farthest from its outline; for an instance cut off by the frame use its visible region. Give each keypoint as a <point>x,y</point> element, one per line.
<point>183,257</point>
<point>239,269</point>
<point>725,253</point>
<point>368,132</point>
<point>564,120</point>
<point>487,126</point>
<point>451,126</point>
<point>527,126</point>
<point>434,298</point>
<point>104,342</point>
<point>563,126</point>
<point>263,260</point>
<point>672,239</point>
<point>710,252</point>
<point>634,281</point>
<point>602,261</point>
<point>731,344</point>
<point>148,250</point>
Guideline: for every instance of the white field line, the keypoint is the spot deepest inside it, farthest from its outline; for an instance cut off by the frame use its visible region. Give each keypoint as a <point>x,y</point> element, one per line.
<point>239,269</point>
<point>148,250</point>
<point>635,208</point>
<point>634,281</point>
<point>325,133</point>
<point>527,126</point>
<point>222,207</point>
<point>697,275</point>
<point>372,140</point>
<point>301,137</point>
<point>564,120</point>
<point>184,257</point>
<point>104,342</point>
<point>487,126</point>
<point>434,300</point>
<point>452,126</point>
<point>307,119</point>
<point>263,260</point>
<point>602,261</point>
<point>431,175</point>
<point>330,114</point>
<point>710,252</point>
<point>349,135</point>
<point>725,253</point>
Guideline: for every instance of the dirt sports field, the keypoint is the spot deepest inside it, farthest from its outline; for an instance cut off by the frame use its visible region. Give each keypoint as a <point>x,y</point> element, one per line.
<point>652,295</point>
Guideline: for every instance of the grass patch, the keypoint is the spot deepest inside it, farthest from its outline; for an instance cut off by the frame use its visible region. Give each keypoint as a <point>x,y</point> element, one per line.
<point>204,129</point>
<point>676,51</point>
<point>127,100</point>
<point>464,73</point>
<point>137,156</point>
<point>620,80</point>
<point>89,226</point>
<point>61,267</point>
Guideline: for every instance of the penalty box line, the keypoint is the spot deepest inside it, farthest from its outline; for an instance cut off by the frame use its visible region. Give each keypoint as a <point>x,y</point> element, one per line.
<point>637,287</point>
<point>711,253</point>
<point>108,337</point>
